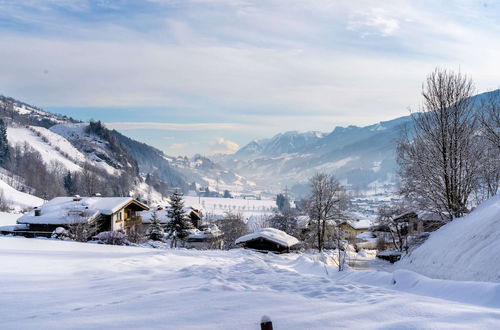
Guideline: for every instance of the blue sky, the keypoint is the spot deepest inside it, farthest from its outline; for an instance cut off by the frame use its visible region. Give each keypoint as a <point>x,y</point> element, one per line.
<point>207,76</point>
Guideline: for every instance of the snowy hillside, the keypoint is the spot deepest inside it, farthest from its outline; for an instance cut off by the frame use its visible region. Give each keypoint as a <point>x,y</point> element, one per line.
<point>96,149</point>
<point>47,284</point>
<point>51,146</point>
<point>465,249</point>
<point>17,199</point>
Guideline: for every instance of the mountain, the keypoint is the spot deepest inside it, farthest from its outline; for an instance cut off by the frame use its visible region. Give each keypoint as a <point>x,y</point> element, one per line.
<point>361,157</point>
<point>358,156</point>
<point>46,146</point>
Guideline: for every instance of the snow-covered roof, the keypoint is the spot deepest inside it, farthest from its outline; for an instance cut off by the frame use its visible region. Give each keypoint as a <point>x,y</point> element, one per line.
<point>360,224</point>
<point>432,216</point>
<point>161,214</point>
<point>66,210</point>
<point>366,236</point>
<point>272,234</point>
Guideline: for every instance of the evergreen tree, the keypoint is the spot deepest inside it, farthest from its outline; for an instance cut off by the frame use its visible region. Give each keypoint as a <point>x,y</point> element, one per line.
<point>4,145</point>
<point>155,230</point>
<point>179,221</point>
<point>69,183</point>
<point>282,202</point>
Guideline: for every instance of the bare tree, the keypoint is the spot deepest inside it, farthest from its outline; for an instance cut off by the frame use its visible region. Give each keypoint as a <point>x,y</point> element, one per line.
<point>489,117</point>
<point>232,227</point>
<point>326,205</point>
<point>88,179</point>
<point>397,229</point>
<point>439,158</point>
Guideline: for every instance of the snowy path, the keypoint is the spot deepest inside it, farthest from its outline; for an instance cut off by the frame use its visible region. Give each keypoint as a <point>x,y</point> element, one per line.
<point>60,285</point>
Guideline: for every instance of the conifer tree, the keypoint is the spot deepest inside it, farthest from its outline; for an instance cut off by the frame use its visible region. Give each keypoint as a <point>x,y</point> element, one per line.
<point>179,222</point>
<point>4,145</point>
<point>155,230</point>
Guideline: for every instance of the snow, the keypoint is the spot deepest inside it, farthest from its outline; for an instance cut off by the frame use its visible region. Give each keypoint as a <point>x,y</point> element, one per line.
<point>360,224</point>
<point>8,219</point>
<point>21,135</point>
<point>76,132</point>
<point>64,210</point>
<point>271,234</point>
<point>49,284</point>
<point>18,199</point>
<point>464,249</point>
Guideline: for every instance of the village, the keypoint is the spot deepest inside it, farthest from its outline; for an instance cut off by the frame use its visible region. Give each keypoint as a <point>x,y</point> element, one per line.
<point>224,223</point>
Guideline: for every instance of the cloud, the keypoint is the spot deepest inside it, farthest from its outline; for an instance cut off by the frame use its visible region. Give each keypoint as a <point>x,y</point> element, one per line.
<point>376,22</point>
<point>249,66</point>
<point>173,126</point>
<point>223,146</point>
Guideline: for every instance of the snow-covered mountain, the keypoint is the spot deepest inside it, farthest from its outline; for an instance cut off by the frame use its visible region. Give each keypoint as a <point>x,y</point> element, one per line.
<point>358,156</point>
<point>361,157</point>
<point>67,145</point>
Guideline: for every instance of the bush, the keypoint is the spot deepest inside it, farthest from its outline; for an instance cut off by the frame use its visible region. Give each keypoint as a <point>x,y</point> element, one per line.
<point>112,238</point>
<point>60,233</point>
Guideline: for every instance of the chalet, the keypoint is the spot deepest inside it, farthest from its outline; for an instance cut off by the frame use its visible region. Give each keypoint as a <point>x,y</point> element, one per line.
<point>268,239</point>
<point>352,228</point>
<point>423,221</point>
<point>106,213</point>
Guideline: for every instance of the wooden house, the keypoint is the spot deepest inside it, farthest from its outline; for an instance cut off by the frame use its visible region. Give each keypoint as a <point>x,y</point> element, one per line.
<point>105,213</point>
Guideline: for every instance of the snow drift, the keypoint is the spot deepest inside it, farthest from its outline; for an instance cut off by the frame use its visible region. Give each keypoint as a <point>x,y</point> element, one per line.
<point>465,249</point>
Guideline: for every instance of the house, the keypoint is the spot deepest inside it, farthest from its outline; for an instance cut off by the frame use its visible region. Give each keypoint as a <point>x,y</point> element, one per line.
<point>352,228</point>
<point>205,237</point>
<point>422,221</point>
<point>195,214</point>
<point>268,239</point>
<point>106,213</point>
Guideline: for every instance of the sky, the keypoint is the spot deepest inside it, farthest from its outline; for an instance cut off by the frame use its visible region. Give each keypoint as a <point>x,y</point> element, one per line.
<point>209,76</point>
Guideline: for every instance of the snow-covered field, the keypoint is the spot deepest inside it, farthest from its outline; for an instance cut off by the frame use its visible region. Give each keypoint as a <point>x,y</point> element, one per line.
<point>47,284</point>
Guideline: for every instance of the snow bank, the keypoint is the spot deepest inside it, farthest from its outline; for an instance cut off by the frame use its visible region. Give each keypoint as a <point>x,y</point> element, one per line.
<point>272,234</point>
<point>465,249</point>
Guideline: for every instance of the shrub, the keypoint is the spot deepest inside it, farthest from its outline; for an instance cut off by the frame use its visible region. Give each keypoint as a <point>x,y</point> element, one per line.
<point>112,238</point>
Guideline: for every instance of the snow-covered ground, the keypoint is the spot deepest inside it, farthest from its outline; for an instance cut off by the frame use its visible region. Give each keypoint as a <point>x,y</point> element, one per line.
<point>465,249</point>
<point>47,284</point>
<point>8,219</point>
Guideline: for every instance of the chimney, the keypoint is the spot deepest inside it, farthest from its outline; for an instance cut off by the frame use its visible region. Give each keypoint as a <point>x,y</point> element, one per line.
<point>77,198</point>
<point>38,212</point>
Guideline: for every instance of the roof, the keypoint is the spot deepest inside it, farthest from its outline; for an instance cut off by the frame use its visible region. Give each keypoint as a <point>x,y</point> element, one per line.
<point>271,234</point>
<point>163,214</point>
<point>65,210</point>
<point>360,224</point>
<point>433,216</point>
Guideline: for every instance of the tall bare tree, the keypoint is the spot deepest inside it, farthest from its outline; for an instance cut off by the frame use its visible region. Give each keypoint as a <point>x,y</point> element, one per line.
<point>439,158</point>
<point>326,204</point>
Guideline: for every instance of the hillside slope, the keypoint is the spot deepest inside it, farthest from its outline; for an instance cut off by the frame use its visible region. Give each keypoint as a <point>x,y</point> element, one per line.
<point>465,249</point>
